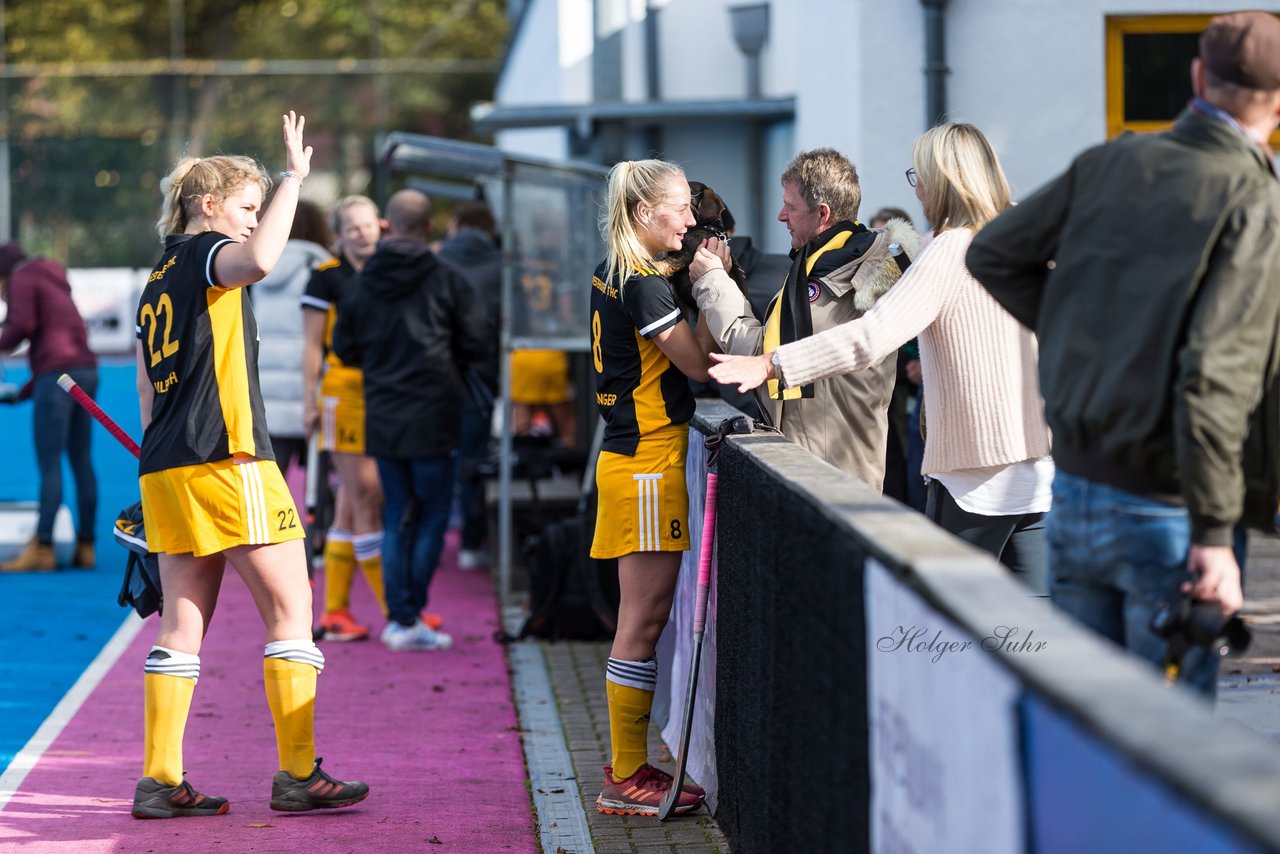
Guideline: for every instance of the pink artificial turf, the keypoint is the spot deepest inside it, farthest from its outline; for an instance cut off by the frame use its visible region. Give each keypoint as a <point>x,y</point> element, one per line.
<point>433,734</point>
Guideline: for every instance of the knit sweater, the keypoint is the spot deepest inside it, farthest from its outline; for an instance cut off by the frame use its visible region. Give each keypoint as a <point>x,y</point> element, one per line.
<point>981,391</point>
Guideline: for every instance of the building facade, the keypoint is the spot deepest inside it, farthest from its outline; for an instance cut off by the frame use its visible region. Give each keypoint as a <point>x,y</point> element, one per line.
<point>604,80</point>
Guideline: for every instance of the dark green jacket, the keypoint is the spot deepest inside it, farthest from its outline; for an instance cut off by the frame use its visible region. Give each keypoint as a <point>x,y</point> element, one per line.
<point>1149,271</point>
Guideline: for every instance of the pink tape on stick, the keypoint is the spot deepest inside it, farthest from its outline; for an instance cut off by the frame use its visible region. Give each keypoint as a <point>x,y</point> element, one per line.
<point>70,387</point>
<point>705,553</point>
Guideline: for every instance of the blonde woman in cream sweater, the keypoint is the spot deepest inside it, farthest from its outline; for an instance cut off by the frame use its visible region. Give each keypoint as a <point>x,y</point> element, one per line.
<point>986,452</point>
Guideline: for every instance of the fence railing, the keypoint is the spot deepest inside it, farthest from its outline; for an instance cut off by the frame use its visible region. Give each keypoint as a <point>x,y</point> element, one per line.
<point>878,685</point>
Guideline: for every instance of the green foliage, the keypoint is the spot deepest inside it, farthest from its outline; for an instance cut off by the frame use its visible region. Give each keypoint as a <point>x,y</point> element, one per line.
<point>98,116</point>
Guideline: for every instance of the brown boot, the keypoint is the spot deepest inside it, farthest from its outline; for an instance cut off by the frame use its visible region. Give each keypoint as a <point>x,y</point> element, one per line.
<point>36,557</point>
<point>84,556</point>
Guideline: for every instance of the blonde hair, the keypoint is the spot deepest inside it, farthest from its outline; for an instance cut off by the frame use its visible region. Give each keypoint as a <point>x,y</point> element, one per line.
<point>195,177</point>
<point>964,186</point>
<point>344,204</point>
<point>630,183</point>
<point>825,176</point>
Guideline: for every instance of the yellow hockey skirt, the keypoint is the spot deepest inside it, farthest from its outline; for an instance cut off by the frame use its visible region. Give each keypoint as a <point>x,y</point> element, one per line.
<point>644,503</point>
<point>342,411</point>
<point>208,508</point>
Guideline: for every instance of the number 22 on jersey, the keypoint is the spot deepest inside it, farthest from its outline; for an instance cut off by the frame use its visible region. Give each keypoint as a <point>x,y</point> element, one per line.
<point>151,318</point>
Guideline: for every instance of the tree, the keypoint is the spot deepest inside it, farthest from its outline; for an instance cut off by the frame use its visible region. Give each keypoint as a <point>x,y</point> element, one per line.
<point>105,94</point>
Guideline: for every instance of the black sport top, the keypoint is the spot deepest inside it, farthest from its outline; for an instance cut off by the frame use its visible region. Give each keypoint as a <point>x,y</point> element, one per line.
<point>200,349</point>
<point>325,289</point>
<point>638,389</point>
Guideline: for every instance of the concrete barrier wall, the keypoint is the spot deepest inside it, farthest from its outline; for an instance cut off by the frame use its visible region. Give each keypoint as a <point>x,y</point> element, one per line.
<point>881,686</point>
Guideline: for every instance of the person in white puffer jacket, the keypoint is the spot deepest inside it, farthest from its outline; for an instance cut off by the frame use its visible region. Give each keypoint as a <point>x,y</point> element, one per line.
<point>275,303</point>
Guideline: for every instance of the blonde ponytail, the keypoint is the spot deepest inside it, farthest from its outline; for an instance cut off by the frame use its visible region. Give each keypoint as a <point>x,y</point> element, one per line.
<point>630,183</point>
<point>193,178</point>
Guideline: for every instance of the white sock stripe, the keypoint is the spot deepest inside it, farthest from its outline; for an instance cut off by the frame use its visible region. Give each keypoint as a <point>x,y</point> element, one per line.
<point>170,662</point>
<point>172,655</point>
<point>639,669</point>
<point>338,535</point>
<point>633,674</point>
<point>303,652</point>
<point>368,545</point>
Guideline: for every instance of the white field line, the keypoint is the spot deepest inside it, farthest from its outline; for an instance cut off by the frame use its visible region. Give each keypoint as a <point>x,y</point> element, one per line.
<point>67,707</point>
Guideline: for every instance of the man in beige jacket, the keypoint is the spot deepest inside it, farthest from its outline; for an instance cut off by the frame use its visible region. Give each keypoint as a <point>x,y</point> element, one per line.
<point>839,268</point>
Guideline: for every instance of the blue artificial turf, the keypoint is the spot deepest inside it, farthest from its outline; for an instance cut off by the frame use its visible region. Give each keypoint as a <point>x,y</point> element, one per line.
<point>52,625</point>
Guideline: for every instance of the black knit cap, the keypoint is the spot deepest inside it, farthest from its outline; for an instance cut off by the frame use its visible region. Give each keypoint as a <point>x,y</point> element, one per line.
<point>10,254</point>
<point>1243,48</point>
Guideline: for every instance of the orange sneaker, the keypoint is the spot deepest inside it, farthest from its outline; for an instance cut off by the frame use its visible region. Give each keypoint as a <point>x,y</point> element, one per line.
<point>431,621</point>
<point>641,793</point>
<point>339,625</point>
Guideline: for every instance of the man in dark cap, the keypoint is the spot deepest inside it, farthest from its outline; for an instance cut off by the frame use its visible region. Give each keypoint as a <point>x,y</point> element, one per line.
<point>40,310</point>
<point>1151,272</point>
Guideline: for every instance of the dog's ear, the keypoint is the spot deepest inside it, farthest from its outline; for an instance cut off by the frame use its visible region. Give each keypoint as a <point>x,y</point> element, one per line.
<point>708,207</point>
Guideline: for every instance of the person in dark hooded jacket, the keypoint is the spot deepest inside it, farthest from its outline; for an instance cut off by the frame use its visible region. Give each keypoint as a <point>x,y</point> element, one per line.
<point>413,326</point>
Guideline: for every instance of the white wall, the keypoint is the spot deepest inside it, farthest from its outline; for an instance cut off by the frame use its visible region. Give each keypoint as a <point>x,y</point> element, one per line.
<point>1029,73</point>
<point>550,60</point>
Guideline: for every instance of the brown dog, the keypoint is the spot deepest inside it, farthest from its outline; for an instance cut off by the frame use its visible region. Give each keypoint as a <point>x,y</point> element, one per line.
<point>708,210</point>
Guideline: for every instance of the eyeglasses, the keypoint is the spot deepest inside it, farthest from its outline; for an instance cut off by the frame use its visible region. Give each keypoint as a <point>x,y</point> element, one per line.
<point>911,177</point>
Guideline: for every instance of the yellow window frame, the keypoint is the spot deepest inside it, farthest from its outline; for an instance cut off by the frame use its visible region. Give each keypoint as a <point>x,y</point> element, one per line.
<point>1119,26</point>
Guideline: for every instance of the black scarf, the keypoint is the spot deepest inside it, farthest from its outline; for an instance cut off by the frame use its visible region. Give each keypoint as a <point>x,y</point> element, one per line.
<point>795,320</point>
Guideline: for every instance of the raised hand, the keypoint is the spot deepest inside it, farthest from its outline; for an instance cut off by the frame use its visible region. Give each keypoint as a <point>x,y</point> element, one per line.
<point>297,157</point>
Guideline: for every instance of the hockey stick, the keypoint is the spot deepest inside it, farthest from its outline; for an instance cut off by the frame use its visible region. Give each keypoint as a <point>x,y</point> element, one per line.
<point>72,388</point>
<point>741,424</point>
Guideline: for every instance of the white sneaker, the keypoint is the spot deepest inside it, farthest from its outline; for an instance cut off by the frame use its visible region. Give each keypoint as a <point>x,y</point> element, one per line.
<point>469,559</point>
<point>417,637</point>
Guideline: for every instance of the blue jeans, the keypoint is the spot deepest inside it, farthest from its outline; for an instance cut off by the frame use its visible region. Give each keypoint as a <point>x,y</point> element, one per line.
<point>1114,559</point>
<point>62,425</point>
<point>416,497</point>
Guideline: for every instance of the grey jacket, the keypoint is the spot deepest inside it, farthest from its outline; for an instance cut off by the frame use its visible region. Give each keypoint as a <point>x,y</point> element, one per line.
<point>279,313</point>
<point>846,421</point>
<point>1149,273</point>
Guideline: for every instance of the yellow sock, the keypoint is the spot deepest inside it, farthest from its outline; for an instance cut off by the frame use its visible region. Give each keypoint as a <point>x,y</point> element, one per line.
<point>628,727</point>
<point>291,693</point>
<point>339,569</point>
<point>372,569</point>
<point>168,701</point>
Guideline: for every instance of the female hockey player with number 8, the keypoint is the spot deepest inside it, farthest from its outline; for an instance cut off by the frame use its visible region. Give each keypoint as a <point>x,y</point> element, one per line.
<point>644,354</point>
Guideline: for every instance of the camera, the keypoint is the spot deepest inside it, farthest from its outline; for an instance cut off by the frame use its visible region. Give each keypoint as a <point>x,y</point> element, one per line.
<point>1193,623</point>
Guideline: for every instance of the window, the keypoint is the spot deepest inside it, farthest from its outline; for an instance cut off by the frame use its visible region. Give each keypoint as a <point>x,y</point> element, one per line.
<point>1149,70</point>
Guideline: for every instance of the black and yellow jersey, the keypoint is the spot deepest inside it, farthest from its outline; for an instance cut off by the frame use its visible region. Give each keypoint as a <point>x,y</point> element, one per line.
<point>638,389</point>
<point>325,289</point>
<point>200,349</point>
